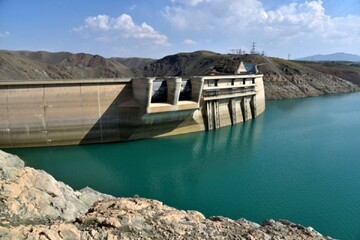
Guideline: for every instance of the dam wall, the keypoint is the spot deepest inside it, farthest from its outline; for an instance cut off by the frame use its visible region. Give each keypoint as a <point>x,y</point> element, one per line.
<point>69,112</point>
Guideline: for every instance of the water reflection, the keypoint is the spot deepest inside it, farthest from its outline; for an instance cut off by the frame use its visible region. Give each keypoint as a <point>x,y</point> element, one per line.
<point>148,167</point>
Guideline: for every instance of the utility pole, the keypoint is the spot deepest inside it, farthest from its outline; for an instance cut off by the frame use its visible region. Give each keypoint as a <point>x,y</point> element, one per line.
<point>236,51</point>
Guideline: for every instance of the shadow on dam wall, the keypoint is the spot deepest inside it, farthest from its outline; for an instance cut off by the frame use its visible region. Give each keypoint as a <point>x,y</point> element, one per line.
<point>125,119</point>
<point>108,126</point>
<point>54,113</point>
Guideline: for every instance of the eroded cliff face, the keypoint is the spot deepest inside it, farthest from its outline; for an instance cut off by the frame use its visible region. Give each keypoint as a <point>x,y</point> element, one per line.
<point>286,80</point>
<point>33,205</point>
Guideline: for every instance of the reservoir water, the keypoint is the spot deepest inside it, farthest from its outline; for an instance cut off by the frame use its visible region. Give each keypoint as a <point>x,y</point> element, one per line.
<point>299,161</point>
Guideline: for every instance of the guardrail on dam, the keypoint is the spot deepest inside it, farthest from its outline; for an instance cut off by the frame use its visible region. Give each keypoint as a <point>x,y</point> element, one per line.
<point>67,112</point>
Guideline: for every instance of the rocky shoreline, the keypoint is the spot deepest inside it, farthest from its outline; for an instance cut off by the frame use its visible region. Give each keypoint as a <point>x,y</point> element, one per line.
<point>33,205</point>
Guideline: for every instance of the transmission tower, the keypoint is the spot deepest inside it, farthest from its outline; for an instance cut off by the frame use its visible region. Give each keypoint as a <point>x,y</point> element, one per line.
<point>253,48</point>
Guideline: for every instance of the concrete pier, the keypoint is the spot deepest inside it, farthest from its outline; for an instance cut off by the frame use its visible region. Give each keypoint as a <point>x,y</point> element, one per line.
<point>232,99</point>
<point>67,112</point>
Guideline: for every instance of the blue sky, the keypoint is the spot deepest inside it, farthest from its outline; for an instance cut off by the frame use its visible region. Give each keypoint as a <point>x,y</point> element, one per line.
<point>127,28</point>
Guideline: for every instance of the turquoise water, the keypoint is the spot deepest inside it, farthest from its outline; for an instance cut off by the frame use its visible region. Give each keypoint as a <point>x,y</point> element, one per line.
<point>299,161</point>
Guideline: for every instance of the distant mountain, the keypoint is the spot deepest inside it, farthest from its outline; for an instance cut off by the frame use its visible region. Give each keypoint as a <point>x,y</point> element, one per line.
<point>333,57</point>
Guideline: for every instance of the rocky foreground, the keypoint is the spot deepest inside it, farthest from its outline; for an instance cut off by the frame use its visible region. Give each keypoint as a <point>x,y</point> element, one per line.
<point>33,205</point>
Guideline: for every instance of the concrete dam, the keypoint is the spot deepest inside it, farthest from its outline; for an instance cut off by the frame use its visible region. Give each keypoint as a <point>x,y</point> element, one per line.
<point>70,112</point>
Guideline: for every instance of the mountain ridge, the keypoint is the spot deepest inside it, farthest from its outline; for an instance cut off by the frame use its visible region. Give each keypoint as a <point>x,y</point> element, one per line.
<point>339,56</point>
<point>25,65</point>
<point>283,79</point>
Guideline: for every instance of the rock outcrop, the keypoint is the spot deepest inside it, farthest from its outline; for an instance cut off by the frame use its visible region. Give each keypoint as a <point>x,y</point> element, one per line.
<point>33,205</point>
<point>285,80</point>
<point>30,196</point>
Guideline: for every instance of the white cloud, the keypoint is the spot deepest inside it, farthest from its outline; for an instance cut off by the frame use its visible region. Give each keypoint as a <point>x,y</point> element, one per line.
<point>133,7</point>
<point>191,2</point>
<point>122,26</point>
<point>100,22</point>
<point>4,34</point>
<point>307,20</point>
<point>195,14</point>
<point>189,42</point>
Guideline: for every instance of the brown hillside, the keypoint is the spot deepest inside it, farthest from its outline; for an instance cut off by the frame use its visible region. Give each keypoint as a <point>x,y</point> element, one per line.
<point>22,65</point>
<point>43,56</point>
<point>134,62</point>
<point>183,64</point>
<point>345,70</point>
<point>14,67</point>
<point>282,78</point>
<point>288,79</point>
<point>83,65</point>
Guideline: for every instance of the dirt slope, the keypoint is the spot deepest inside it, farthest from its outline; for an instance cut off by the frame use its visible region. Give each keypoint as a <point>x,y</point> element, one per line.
<point>288,79</point>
